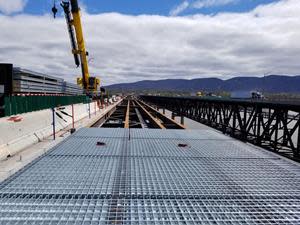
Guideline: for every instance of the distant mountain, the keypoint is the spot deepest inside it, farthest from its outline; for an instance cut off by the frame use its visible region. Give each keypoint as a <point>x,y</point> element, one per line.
<point>270,84</point>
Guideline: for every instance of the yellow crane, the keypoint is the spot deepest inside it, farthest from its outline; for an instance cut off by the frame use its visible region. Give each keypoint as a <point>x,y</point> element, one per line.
<point>73,19</point>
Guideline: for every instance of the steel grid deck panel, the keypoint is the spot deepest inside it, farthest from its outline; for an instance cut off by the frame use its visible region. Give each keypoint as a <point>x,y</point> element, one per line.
<point>149,179</point>
<point>195,149</point>
<point>107,132</point>
<point>176,134</point>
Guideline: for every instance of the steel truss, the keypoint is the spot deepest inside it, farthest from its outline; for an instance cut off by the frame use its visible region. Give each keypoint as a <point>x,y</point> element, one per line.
<point>274,126</point>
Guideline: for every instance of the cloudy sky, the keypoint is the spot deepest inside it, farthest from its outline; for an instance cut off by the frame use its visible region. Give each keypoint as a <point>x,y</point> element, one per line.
<point>131,40</point>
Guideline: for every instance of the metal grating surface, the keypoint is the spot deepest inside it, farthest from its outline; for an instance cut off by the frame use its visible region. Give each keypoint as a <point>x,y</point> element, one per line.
<point>87,146</point>
<point>107,132</point>
<point>211,179</point>
<point>177,134</point>
<point>195,149</point>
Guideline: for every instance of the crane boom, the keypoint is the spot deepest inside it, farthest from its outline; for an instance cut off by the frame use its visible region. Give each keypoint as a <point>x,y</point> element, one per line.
<point>73,18</point>
<point>66,7</point>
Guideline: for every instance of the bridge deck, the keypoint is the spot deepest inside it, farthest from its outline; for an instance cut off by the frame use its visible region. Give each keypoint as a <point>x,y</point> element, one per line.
<point>146,176</point>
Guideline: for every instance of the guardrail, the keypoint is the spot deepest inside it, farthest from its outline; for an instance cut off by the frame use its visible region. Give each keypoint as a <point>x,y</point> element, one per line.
<point>22,104</point>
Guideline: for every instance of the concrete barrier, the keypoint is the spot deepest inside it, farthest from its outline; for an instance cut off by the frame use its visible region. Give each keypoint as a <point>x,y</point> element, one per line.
<point>18,133</point>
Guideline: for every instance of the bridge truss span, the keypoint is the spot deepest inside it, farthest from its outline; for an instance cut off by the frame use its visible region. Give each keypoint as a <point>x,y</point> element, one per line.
<point>271,125</point>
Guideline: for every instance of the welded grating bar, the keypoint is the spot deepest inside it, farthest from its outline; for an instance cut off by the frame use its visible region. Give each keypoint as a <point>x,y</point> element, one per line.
<point>148,179</point>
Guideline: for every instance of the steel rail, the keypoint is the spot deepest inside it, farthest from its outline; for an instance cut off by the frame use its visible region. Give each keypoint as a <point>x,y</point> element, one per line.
<point>156,121</point>
<point>142,121</point>
<point>126,123</point>
<point>162,116</point>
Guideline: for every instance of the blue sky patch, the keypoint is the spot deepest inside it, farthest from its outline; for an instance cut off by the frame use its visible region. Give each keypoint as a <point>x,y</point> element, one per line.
<point>153,7</point>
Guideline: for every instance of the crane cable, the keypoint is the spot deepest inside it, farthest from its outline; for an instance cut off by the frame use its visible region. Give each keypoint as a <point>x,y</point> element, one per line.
<point>54,9</point>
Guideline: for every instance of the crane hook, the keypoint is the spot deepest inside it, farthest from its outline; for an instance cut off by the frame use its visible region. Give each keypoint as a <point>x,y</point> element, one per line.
<point>54,9</point>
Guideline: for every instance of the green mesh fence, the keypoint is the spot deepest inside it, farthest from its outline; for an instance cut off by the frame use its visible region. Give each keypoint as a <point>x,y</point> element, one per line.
<point>21,104</point>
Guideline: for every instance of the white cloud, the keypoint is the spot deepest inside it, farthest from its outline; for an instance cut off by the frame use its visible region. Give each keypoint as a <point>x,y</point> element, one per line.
<point>130,48</point>
<point>12,6</point>
<point>211,3</point>
<point>179,8</point>
<point>199,4</point>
